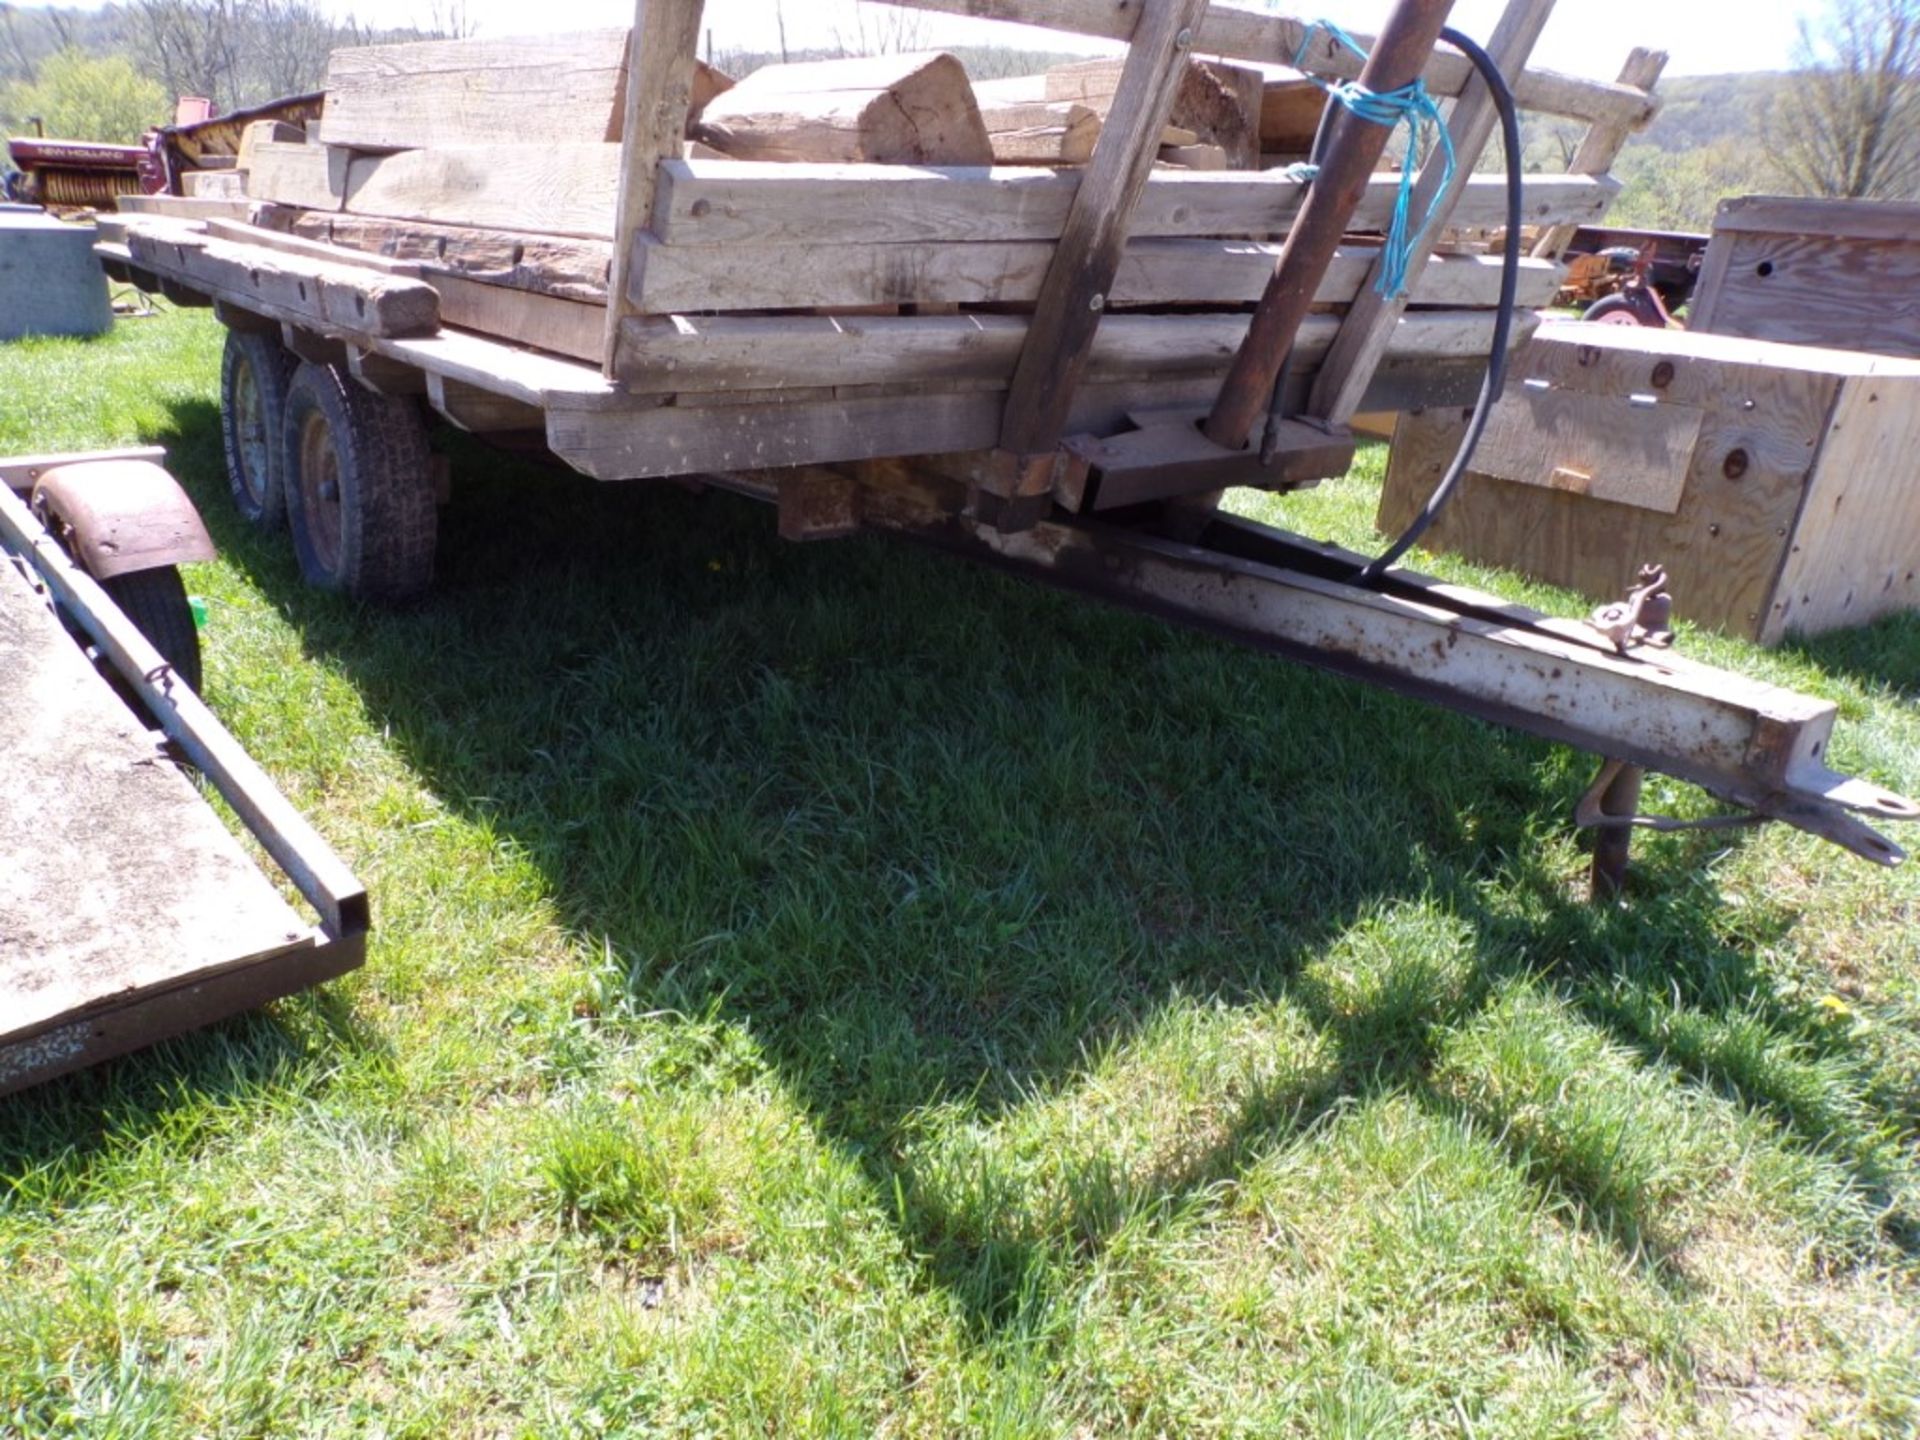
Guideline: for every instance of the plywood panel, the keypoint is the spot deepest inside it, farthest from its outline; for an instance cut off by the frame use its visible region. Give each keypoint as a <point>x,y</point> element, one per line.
<point>1608,447</point>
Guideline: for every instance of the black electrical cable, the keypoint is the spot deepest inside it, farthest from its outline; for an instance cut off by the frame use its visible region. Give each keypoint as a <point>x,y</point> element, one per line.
<point>1496,378</point>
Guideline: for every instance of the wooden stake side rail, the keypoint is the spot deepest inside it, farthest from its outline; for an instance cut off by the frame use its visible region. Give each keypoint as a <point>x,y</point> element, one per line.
<point>744,202</point>
<point>1238,34</point>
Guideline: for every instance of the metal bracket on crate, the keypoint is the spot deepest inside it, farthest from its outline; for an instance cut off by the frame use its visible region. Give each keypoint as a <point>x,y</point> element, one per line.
<point>1167,456</point>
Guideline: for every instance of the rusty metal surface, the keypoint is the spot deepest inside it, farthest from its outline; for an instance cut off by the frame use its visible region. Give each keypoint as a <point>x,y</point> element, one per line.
<point>1353,150</point>
<point>120,516</point>
<point>1754,745</point>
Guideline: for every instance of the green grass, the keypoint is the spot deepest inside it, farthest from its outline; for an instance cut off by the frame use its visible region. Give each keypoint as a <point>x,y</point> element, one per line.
<point>828,990</point>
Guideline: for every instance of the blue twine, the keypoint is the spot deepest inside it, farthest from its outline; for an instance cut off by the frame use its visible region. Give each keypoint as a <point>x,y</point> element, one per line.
<point>1410,103</point>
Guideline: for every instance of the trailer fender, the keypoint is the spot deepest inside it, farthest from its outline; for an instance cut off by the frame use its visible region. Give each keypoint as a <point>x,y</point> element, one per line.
<point>117,517</point>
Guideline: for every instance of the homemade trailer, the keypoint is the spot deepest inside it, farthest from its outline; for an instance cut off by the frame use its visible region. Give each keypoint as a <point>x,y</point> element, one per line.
<point>1053,370</point>
<point>128,911</point>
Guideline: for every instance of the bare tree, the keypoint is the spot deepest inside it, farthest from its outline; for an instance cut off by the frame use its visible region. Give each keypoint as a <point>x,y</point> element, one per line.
<point>1850,127</point>
<point>882,30</point>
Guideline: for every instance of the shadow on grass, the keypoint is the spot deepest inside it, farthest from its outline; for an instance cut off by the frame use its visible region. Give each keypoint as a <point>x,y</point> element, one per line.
<point>938,835</point>
<point>1886,652</point>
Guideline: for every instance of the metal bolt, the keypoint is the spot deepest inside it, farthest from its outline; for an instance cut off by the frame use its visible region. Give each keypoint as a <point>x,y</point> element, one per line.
<point>1097,304</point>
<point>1184,40</point>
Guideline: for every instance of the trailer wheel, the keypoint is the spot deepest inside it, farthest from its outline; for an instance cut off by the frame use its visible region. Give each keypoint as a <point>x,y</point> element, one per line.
<point>360,491</point>
<point>156,602</point>
<point>254,371</point>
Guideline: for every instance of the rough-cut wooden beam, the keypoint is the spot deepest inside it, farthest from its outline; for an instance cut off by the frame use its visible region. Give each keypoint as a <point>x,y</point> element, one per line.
<point>546,264</point>
<point>1602,143</point>
<point>688,354</point>
<point>340,298</point>
<point>673,279</point>
<point>1370,323</point>
<point>1277,40</point>
<point>661,71</point>
<point>1075,292</point>
<point>719,202</point>
<point>313,177</point>
<point>552,189</point>
<point>476,91</point>
<point>884,109</point>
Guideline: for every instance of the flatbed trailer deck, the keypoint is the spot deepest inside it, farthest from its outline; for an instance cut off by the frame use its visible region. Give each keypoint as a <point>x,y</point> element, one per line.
<point>1080,449</point>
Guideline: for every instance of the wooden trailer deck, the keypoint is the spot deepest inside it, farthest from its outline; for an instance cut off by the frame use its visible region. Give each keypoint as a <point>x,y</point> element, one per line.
<point>1013,363</point>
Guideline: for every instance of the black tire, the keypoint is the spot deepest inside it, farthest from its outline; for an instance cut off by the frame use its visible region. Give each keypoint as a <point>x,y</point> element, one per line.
<point>254,372</point>
<point>1617,310</point>
<point>156,602</point>
<point>360,491</point>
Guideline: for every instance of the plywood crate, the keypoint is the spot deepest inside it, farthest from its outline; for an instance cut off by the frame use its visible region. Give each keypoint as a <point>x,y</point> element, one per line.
<point>1777,483</point>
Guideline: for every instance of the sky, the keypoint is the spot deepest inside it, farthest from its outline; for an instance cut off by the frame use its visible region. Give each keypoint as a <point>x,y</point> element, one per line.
<point>1585,37</point>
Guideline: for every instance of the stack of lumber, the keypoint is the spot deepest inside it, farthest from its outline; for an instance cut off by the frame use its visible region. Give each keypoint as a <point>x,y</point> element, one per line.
<point>795,252</point>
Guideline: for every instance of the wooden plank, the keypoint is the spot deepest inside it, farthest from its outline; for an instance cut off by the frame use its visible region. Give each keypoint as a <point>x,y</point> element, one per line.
<point>1855,552</point>
<point>1344,378</point>
<point>481,412</point>
<point>565,327</point>
<point>241,233</point>
<point>312,177</point>
<point>477,91</point>
<point>213,185</point>
<point>1850,284</point>
<point>1246,35</point>
<point>1602,143</point>
<point>559,189</point>
<point>546,264</point>
<point>340,298</point>
<point>267,132</point>
<point>660,88</point>
<point>722,202</point>
<point>1606,447</point>
<point>887,110</point>
<point>1094,238</point>
<point>180,207</point>
<point>676,278</point>
<point>682,353</point>
<point>621,441</point>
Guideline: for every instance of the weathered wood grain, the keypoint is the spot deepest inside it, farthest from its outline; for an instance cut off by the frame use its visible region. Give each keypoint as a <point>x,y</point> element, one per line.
<point>546,264</point>
<point>719,202</point>
<point>568,190</point>
<point>480,91</point>
<point>887,110</point>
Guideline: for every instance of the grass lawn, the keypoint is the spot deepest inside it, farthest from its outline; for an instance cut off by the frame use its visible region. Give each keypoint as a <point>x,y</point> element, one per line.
<point>830,990</point>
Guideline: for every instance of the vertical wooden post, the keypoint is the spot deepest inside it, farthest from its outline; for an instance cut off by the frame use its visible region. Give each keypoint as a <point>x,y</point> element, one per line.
<point>661,56</point>
<point>1085,262</point>
<point>1601,145</point>
<point>1368,329</point>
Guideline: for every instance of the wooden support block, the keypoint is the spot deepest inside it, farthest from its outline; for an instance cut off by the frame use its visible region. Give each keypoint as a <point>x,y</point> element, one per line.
<point>817,504</point>
<point>312,177</point>
<point>266,132</point>
<point>241,233</point>
<point>384,375</point>
<point>313,347</point>
<point>1217,103</point>
<point>481,412</point>
<point>1194,157</point>
<point>546,264</point>
<point>247,322</point>
<point>886,110</point>
<point>546,189</point>
<point>567,88</point>
<point>213,185</point>
<point>1031,132</point>
<point>181,207</point>
<point>565,327</point>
